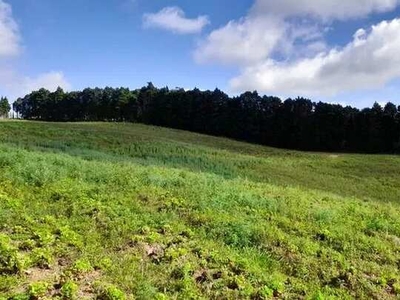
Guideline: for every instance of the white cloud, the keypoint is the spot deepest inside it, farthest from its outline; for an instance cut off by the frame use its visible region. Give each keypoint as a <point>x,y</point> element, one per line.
<point>371,60</point>
<point>254,39</point>
<point>12,83</point>
<point>50,81</point>
<point>9,34</point>
<point>241,42</point>
<point>268,28</point>
<point>174,19</point>
<point>280,47</point>
<point>16,85</point>
<point>326,9</point>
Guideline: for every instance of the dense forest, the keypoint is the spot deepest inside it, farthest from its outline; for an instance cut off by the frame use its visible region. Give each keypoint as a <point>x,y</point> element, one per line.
<point>294,123</point>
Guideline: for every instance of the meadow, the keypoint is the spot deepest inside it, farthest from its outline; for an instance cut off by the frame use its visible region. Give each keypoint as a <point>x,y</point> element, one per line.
<point>128,211</point>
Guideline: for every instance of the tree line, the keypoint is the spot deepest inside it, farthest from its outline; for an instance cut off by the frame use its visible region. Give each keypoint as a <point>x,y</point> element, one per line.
<point>293,123</point>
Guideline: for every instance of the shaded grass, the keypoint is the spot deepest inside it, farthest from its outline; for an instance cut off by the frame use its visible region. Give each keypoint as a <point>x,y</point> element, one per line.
<point>363,176</point>
<point>134,211</point>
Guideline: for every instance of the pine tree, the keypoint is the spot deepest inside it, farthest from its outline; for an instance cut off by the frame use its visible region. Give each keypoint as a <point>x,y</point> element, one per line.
<point>4,107</point>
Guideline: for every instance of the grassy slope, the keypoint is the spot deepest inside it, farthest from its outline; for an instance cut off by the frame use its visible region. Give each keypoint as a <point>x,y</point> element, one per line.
<point>122,209</point>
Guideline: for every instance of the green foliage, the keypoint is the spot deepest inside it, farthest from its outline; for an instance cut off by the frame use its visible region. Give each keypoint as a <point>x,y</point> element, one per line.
<point>37,290</point>
<point>42,257</point>
<point>161,296</point>
<point>104,264</point>
<point>9,262</point>
<point>110,292</point>
<point>4,107</point>
<point>23,296</point>
<point>70,237</point>
<point>80,268</point>
<point>294,123</point>
<point>121,211</point>
<point>69,290</point>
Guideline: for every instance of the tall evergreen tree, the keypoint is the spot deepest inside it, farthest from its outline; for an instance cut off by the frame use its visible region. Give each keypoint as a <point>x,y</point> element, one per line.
<point>4,107</point>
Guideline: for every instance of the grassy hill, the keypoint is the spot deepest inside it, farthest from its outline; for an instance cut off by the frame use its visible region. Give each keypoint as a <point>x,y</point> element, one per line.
<point>123,211</point>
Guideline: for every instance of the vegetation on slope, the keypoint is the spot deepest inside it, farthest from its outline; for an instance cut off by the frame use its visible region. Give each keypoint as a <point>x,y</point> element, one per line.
<point>118,211</point>
<point>291,124</point>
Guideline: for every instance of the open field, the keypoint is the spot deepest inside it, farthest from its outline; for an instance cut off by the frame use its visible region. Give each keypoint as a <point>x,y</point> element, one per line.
<point>125,211</point>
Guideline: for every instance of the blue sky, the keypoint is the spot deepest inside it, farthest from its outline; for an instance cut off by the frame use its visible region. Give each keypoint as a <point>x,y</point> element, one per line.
<point>233,45</point>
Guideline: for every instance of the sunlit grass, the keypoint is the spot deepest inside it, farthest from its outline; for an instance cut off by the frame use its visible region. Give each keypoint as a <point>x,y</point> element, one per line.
<point>128,211</point>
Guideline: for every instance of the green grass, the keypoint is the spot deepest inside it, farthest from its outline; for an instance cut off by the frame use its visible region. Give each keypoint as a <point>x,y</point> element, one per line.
<point>123,211</point>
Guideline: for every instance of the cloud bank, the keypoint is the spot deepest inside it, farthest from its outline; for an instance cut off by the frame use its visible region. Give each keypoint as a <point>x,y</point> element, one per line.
<point>370,61</point>
<point>325,10</point>
<point>9,33</point>
<point>280,47</point>
<point>12,83</point>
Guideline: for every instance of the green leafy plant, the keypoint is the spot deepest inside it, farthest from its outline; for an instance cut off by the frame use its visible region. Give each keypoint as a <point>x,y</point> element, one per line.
<point>37,290</point>
<point>42,257</point>
<point>69,290</point>
<point>110,292</point>
<point>9,262</point>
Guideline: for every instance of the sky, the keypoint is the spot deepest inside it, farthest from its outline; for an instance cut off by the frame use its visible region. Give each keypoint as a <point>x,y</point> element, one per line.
<point>335,51</point>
